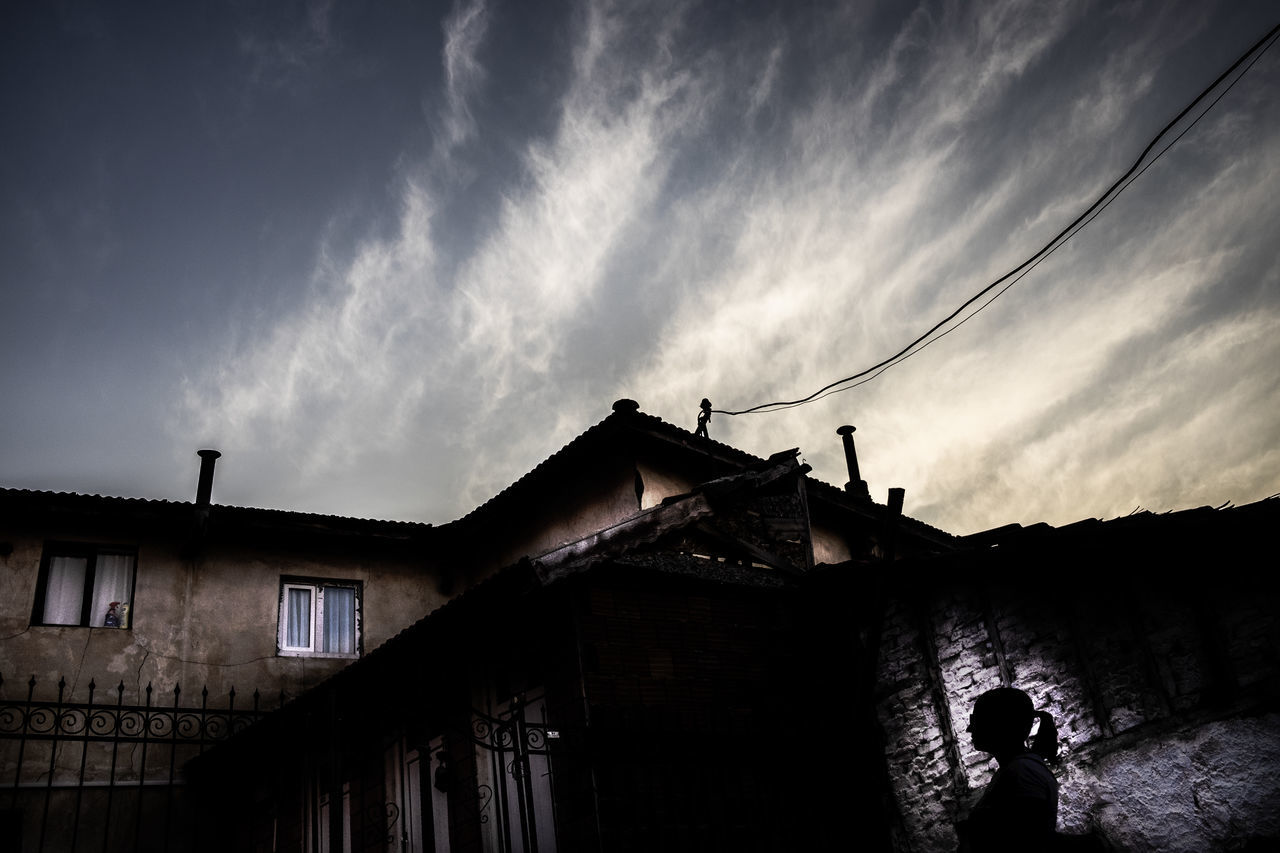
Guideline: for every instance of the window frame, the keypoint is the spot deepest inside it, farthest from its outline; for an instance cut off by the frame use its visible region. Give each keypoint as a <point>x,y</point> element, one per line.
<point>317,586</point>
<point>90,552</point>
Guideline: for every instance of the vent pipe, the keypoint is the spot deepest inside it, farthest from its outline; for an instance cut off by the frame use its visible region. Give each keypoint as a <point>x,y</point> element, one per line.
<point>897,496</point>
<point>856,485</point>
<point>204,490</point>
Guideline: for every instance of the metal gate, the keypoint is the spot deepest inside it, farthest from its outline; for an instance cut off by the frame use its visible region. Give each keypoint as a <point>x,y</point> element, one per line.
<point>106,776</point>
<point>513,758</point>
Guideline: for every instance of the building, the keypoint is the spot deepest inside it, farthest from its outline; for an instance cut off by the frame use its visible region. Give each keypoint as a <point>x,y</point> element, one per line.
<point>649,641</point>
<point>137,632</point>
<point>132,615</point>
<point>631,689</point>
<point>198,594</point>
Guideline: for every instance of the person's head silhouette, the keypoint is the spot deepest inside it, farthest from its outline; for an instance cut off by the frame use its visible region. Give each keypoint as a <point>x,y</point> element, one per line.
<point>1002,720</point>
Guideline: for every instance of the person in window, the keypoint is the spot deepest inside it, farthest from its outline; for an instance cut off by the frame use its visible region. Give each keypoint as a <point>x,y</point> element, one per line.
<point>1018,811</point>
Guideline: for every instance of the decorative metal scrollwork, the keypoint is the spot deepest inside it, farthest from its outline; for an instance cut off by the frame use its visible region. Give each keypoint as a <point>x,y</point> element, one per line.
<point>40,720</point>
<point>187,726</point>
<point>58,720</point>
<point>482,728</point>
<point>102,723</point>
<point>216,727</point>
<point>393,815</point>
<point>510,735</point>
<point>131,723</point>
<point>378,821</point>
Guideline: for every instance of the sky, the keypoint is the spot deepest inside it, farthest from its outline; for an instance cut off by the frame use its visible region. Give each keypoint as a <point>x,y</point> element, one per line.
<point>387,257</point>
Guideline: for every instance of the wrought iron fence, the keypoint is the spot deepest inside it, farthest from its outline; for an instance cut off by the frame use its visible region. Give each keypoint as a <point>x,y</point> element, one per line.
<point>106,776</point>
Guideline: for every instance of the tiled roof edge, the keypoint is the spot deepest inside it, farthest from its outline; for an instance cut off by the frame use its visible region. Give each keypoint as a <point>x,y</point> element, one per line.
<point>88,500</point>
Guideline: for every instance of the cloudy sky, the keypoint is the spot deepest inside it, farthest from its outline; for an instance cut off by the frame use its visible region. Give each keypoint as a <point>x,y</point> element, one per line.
<point>387,257</point>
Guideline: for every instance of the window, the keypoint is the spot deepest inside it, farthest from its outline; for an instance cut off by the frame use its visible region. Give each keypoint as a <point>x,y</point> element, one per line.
<point>319,618</point>
<point>86,585</point>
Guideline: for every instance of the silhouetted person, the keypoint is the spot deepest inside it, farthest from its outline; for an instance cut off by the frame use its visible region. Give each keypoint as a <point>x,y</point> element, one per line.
<point>703,417</point>
<point>1018,811</point>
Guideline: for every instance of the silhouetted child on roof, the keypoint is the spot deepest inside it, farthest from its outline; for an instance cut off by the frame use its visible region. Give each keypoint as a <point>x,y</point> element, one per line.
<point>703,417</point>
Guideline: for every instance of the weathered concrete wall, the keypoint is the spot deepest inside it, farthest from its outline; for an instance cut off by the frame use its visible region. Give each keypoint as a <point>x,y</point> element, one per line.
<point>590,497</point>
<point>660,482</point>
<point>205,621</point>
<point>209,620</point>
<point>1165,702</point>
<point>829,545</point>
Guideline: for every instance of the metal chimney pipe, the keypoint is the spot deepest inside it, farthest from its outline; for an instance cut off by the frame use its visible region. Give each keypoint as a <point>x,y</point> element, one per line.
<point>204,489</point>
<point>856,485</point>
<point>897,495</point>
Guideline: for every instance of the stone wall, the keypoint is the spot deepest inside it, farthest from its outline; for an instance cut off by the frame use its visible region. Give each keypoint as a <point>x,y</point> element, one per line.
<point>1164,689</point>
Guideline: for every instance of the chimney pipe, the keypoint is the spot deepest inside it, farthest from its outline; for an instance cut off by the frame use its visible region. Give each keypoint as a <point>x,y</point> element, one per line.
<point>856,485</point>
<point>204,490</point>
<point>897,495</point>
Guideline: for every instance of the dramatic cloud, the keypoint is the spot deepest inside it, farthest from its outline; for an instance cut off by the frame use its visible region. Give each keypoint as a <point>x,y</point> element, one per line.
<point>650,200</point>
<point>464,33</point>
<point>887,200</point>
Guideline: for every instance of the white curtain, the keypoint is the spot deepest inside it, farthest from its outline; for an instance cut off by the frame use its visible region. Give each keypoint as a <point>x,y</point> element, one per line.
<point>112,581</point>
<point>298,632</point>
<point>64,591</point>
<point>339,620</point>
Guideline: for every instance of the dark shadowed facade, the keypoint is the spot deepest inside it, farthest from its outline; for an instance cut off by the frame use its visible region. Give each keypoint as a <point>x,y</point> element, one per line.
<point>1152,639</point>
<point>656,641</point>
<point>642,687</point>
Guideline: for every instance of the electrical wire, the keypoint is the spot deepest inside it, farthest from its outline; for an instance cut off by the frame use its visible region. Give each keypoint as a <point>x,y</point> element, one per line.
<point>1139,166</point>
<point>901,358</point>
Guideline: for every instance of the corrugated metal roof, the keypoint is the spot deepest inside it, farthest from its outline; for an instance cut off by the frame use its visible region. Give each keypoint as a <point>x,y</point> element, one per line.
<point>75,501</point>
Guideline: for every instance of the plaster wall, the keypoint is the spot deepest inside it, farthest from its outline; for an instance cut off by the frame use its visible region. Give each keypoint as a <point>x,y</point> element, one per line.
<point>562,511</point>
<point>661,482</point>
<point>204,622</point>
<point>829,546</point>
<point>586,500</point>
<point>210,621</point>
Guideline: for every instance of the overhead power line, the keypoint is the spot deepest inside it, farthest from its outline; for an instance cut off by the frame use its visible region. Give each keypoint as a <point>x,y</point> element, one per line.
<point>1140,165</point>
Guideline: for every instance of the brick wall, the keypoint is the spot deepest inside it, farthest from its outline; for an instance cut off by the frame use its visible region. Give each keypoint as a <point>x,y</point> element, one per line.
<point>1164,687</point>
<point>684,724</point>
